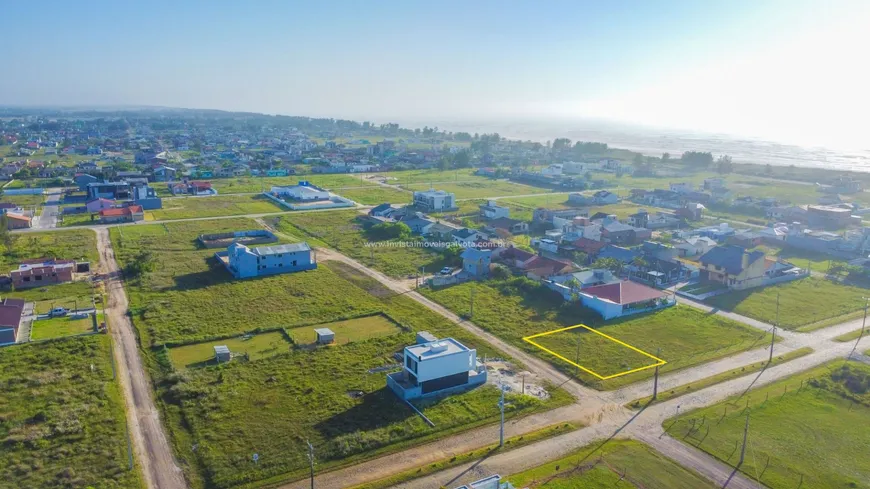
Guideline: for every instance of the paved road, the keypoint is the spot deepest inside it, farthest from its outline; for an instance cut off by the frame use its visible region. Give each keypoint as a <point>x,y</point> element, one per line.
<point>48,217</point>
<point>153,452</point>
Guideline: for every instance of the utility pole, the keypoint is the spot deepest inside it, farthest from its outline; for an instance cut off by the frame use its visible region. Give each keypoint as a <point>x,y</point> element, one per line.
<point>863,325</point>
<point>775,324</point>
<point>471,313</point>
<point>656,381</point>
<point>745,436</point>
<point>311,461</point>
<point>501,408</point>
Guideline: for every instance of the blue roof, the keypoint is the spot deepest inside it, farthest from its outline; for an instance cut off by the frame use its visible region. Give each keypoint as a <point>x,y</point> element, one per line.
<point>624,255</point>
<point>381,207</point>
<point>730,258</point>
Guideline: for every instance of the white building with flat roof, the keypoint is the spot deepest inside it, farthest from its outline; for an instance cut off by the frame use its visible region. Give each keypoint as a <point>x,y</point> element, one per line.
<point>435,200</point>
<point>436,367</point>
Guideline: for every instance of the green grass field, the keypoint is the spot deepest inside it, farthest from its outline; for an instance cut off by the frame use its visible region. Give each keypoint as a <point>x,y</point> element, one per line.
<point>74,244</point>
<point>601,466</point>
<point>324,394</point>
<point>803,303</point>
<point>62,422</point>
<point>810,427</point>
<point>376,195</point>
<point>256,346</point>
<point>348,330</point>
<point>480,189</point>
<point>258,184</point>
<point>23,200</point>
<point>59,327</point>
<point>343,231</point>
<point>218,205</point>
<point>516,308</point>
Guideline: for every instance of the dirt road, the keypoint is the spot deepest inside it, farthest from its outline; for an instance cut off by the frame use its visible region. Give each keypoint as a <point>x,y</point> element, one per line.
<point>152,450</point>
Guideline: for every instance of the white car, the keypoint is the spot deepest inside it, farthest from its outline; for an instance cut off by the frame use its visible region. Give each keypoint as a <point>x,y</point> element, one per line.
<point>446,271</point>
<point>57,311</point>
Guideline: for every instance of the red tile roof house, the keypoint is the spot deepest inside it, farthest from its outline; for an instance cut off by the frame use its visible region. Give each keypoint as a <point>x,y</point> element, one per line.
<point>17,221</point>
<point>10,318</point>
<point>623,298</point>
<point>44,271</point>
<point>131,213</point>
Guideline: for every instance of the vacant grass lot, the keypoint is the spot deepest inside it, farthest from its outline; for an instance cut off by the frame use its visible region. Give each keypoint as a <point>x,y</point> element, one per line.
<point>62,422</point>
<point>802,303</point>
<point>516,308</point>
<point>59,327</point>
<point>213,206</point>
<point>811,427</point>
<point>377,195</point>
<point>479,189</point>
<point>258,184</point>
<point>256,346</point>
<point>23,200</point>
<point>74,244</point>
<point>602,466</point>
<point>343,231</point>
<point>356,329</point>
<point>817,262</point>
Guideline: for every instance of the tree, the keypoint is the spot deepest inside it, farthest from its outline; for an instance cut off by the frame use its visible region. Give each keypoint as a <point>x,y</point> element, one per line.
<point>390,230</point>
<point>462,159</point>
<point>611,264</point>
<point>697,158</point>
<point>561,143</point>
<point>666,157</point>
<point>638,159</point>
<point>141,264</point>
<point>724,164</point>
<point>5,235</point>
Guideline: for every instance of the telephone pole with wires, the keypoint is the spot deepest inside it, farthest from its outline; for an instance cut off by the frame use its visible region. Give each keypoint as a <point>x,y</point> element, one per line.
<point>311,461</point>
<point>775,324</point>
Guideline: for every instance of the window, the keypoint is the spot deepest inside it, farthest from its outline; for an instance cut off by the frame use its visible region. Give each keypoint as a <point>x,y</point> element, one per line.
<point>27,279</point>
<point>38,278</point>
<point>294,263</point>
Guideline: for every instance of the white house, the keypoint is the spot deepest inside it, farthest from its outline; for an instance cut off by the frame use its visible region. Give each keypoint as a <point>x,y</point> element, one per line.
<point>552,170</point>
<point>491,210</point>
<point>303,191</point>
<point>244,262</point>
<point>435,200</point>
<point>681,187</point>
<point>603,197</point>
<point>436,367</point>
<point>467,236</point>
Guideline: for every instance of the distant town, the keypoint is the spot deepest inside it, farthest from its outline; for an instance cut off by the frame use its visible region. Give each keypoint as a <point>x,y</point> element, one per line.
<point>210,299</point>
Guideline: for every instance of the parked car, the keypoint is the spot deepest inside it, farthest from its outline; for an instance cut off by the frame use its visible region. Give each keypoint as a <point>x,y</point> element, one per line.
<point>57,311</point>
<point>446,271</point>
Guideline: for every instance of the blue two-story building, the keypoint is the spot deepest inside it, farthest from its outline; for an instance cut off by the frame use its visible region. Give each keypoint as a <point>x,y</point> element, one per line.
<point>245,262</point>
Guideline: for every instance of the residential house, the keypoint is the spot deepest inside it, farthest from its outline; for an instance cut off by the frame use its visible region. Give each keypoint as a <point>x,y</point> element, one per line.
<point>733,266</point>
<point>542,215</point>
<point>507,225</point>
<point>439,232</point>
<point>475,263</point>
<point>96,205</point>
<point>661,251</point>
<point>539,267</point>
<point>245,262</point>
<point>579,199</point>
<point>659,272</point>
<point>546,244</point>
<point>130,213</point>
<point>659,220</point>
<point>491,210</point>
<point>696,245</point>
<point>109,190</point>
<point>622,298</point>
<point>713,184</point>
<point>568,284</point>
<point>829,216</point>
<point>467,237</point>
<point>10,319</point>
<point>775,234</point>
<point>83,179</point>
<point>42,272</point>
<point>382,210</point>
<point>18,221</point>
<point>615,232</point>
<point>690,211</point>
<point>146,197</point>
<point>618,253</point>
<point>604,197</point>
<point>789,213</point>
<point>303,192</point>
<point>514,257</point>
<point>681,187</point>
<point>419,224</point>
<point>435,200</point>
<point>588,246</point>
<point>164,174</point>
<point>436,367</point>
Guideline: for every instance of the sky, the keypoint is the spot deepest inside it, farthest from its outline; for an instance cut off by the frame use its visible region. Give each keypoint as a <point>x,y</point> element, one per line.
<point>792,71</point>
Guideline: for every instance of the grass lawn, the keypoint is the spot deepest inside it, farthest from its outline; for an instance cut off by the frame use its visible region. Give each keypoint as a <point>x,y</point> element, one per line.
<point>817,262</point>
<point>377,195</point>
<point>516,308</point>
<point>59,327</point>
<point>258,184</point>
<point>23,200</point>
<point>802,303</point>
<point>74,244</point>
<point>600,466</point>
<point>480,189</point>
<point>62,422</point>
<point>811,427</point>
<point>82,218</point>
<point>348,330</point>
<point>256,346</point>
<point>213,206</point>
<point>343,231</point>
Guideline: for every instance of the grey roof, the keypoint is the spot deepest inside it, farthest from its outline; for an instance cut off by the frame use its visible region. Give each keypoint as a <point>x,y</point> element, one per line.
<point>730,258</point>
<point>284,248</point>
<point>324,331</point>
<point>221,349</point>
<point>464,233</point>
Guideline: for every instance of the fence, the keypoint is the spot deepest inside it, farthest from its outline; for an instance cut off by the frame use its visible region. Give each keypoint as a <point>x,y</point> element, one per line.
<point>334,203</point>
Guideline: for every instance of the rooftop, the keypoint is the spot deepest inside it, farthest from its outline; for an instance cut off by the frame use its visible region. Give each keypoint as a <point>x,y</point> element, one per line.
<point>436,349</point>
<point>624,292</point>
<point>284,248</point>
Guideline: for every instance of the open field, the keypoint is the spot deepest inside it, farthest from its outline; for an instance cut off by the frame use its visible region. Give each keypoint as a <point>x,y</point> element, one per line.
<point>82,218</point>
<point>357,329</point>
<point>719,378</point>
<point>803,303</point>
<point>63,422</point>
<point>376,195</point>
<point>480,189</point>
<point>809,428</point>
<point>601,466</point>
<point>817,262</point>
<point>238,185</point>
<point>516,308</point>
<point>59,327</point>
<point>73,244</point>
<point>324,394</point>
<point>213,206</point>
<point>23,200</point>
<point>343,231</point>
<point>256,346</point>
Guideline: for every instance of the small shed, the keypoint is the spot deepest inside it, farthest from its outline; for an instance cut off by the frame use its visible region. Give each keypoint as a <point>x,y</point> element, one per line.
<point>324,336</point>
<point>222,353</point>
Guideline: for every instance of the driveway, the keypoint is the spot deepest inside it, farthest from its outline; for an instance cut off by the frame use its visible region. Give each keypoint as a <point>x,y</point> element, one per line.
<point>50,209</point>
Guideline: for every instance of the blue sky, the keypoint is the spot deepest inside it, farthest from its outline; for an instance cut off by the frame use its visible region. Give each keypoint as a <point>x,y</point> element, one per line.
<point>737,66</point>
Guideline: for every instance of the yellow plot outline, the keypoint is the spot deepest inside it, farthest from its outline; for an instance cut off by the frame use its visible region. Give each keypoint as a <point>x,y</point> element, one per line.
<point>658,360</point>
